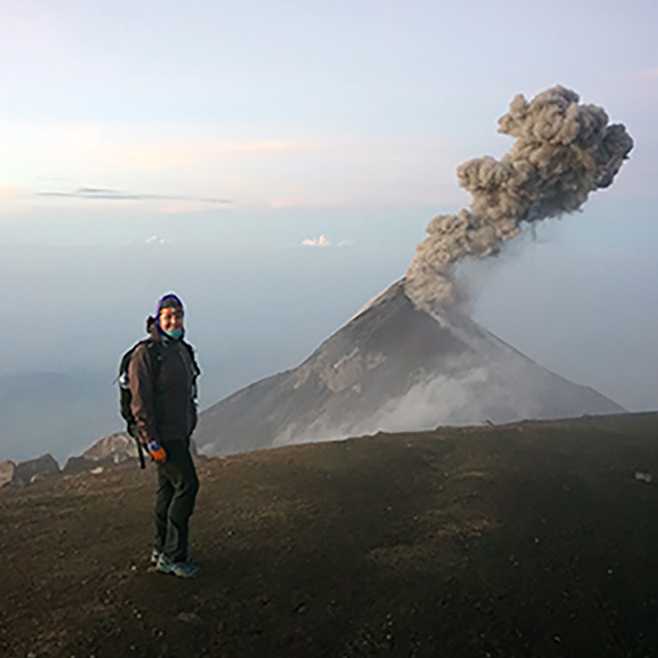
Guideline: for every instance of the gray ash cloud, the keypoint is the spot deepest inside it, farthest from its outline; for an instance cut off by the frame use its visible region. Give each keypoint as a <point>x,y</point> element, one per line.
<point>563,151</point>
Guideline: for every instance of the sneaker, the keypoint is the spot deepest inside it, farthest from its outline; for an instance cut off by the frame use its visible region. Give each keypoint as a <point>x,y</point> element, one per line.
<point>180,569</point>
<point>155,556</point>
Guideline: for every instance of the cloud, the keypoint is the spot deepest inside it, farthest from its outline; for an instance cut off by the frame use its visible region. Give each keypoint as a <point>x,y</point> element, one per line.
<point>321,241</point>
<point>156,240</point>
<point>324,242</point>
<point>105,194</point>
<point>137,163</point>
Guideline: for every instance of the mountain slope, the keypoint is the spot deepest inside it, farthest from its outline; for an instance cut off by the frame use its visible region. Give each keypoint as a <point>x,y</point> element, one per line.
<point>394,367</point>
<point>532,539</point>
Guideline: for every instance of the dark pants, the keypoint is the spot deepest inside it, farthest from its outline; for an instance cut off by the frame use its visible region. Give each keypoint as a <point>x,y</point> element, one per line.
<point>178,485</point>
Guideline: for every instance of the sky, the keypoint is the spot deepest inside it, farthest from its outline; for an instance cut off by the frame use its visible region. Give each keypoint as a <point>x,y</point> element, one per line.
<point>276,163</point>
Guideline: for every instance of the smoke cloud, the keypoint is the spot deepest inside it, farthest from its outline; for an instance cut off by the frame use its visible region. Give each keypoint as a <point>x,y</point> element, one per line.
<point>563,151</point>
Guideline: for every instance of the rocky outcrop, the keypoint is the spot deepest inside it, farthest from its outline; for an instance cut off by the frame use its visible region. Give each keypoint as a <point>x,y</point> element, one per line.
<point>107,451</point>
<point>7,470</point>
<point>34,469</point>
<point>118,447</point>
<point>77,465</point>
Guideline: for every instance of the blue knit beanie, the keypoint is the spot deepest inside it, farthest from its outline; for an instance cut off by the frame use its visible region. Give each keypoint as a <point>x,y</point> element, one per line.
<point>167,301</point>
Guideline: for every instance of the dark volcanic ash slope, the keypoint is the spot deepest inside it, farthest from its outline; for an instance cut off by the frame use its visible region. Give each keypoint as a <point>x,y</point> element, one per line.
<point>394,367</point>
<point>527,540</point>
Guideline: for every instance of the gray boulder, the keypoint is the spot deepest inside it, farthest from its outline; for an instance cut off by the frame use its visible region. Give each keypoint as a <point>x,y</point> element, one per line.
<point>118,447</point>
<point>7,470</point>
<point>110,450</point>
<point>34,469</point>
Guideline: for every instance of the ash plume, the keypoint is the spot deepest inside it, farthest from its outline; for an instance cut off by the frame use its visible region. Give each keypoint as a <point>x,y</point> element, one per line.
<point>563,151</point>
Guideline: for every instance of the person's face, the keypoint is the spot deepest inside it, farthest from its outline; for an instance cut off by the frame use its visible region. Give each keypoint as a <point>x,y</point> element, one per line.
<point>171,318</point>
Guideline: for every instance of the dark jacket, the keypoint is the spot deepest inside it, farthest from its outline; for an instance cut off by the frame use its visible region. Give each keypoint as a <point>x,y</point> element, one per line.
<point>164,406</point>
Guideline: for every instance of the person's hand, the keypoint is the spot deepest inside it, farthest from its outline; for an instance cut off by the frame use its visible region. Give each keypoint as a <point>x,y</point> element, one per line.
<point>157,452</point>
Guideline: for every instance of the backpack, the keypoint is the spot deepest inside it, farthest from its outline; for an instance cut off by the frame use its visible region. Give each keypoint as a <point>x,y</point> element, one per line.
<point>153,350</point>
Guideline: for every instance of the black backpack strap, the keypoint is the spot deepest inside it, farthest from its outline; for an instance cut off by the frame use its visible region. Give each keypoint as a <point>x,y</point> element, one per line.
<point>140,452</point>
<point>196,371</point>
<point>195,365</point>
<point>154,352</point>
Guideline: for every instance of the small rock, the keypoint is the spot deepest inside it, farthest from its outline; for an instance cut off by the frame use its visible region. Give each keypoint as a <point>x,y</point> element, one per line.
<point>189,618</point>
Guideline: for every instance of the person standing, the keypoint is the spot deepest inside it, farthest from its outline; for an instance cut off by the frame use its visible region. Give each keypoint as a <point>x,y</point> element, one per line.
<point>162,377</point>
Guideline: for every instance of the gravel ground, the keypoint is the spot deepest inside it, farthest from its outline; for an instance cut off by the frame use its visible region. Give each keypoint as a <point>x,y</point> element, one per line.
<point>531,539</point>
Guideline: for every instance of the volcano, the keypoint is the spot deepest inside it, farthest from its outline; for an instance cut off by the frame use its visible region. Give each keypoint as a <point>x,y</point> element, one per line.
<point>410,360</point>
<point>394,367</point>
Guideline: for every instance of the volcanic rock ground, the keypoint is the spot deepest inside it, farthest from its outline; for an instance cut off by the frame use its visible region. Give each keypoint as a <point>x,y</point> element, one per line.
<point>530,539</point>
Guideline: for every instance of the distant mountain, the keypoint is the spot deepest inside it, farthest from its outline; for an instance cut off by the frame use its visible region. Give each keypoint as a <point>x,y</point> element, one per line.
<point>64,412</point>
<point>394,367</point>
<point>55,412</point>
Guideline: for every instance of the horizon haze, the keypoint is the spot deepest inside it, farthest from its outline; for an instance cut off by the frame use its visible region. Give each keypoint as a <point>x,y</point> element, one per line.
<point>277,167</point>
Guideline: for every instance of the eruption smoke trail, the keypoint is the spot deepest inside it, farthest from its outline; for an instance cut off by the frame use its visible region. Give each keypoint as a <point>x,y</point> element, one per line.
<point>563,151</point>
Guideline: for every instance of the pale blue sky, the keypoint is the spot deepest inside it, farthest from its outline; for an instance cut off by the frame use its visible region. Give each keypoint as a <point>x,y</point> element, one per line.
<point>222,135</point>
<point>298,103</point>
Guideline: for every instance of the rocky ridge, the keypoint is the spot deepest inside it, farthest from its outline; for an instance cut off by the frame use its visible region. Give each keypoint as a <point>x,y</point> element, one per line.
<point>108,451</point>
<point>30,471</point>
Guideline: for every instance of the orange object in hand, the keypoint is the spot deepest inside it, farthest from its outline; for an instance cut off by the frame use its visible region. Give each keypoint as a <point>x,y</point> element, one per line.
<point>157,452</point>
